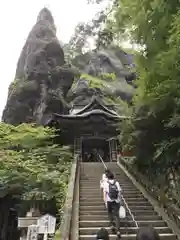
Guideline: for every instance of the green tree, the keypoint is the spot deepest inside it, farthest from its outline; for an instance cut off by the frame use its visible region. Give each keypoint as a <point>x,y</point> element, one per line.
<point>153,132</point>
<point>95,30</point>
<point>32,166</point>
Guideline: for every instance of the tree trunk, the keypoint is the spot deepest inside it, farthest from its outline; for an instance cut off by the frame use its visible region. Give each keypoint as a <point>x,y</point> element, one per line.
<point>8,219</point>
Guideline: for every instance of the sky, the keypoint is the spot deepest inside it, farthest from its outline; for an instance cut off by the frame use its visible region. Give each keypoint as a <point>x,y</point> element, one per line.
<point>17,19</point>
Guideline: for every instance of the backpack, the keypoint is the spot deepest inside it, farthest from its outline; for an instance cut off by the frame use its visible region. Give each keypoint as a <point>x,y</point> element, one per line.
<point>113,191</point>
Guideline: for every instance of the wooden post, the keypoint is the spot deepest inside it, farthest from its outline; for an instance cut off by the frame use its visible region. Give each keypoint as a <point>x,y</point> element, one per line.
<point>77,145</point>
<point>113,149</point>
<point>33,212</point>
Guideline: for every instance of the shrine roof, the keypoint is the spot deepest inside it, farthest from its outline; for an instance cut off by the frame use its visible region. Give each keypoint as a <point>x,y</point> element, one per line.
<point>95,111</point>
<point>94,106</point>
<point>89,114</point>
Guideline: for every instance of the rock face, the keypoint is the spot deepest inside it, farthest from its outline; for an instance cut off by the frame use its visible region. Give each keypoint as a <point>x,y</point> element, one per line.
<point>44,83</point>
<point>42,77</point>
<point>107,73</point>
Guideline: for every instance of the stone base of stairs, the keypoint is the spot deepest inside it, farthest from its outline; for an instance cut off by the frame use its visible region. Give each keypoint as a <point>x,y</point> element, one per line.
<point>93,214</point>
<point>127,237</point>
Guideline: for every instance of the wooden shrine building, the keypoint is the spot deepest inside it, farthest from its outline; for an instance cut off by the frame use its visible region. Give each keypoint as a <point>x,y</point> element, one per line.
<point>89,127</point>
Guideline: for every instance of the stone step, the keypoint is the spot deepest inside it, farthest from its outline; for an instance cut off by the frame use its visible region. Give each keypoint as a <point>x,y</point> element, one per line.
<point>99,172</point>
<point>93,214</point>
<point>97,185</point>
<point>98,190</point>
<point>125,191</point>
<point>101,203</point>
<point>98,175</point>
<point>136,212</point>
<point>168,236</point>
<point>98,194</point>
<point>93,176</point>
<point>124,223</point>
<point>126,230</point>
<point>88,186</point>
<point>89,189</point>
<point>99,198</point>
<point>102,213</point>
<point>101,207</point>
<point>87,180</point>
<point>91,179</point>
<point>105,217</point>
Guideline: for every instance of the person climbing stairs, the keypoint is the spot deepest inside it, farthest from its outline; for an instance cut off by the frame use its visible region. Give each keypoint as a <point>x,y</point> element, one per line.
<point>93,214</point>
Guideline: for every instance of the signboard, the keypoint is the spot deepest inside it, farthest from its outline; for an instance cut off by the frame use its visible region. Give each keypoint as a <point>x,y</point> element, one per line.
<point>46,224</point>
<point>32,233</point>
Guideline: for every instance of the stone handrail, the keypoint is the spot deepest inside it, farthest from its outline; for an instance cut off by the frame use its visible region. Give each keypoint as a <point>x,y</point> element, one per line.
<point>171,209</point>
<point>68,206</point>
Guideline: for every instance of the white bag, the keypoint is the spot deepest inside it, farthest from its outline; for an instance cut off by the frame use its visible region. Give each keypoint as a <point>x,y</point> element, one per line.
<point>122,212</point>
<point>101,184</point>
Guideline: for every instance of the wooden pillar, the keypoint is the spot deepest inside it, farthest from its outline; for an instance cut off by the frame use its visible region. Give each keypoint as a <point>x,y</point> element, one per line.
<point>78,146</point>
<point>113,149</point>
<point>110,154</point>
<point>8,219</point>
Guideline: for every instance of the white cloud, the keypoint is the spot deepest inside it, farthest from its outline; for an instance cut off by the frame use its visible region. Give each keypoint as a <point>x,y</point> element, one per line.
<point>18,17</point>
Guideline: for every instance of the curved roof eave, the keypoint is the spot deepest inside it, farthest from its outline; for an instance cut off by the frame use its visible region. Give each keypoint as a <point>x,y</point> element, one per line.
<point>93,101</point>
<point>91,113</point>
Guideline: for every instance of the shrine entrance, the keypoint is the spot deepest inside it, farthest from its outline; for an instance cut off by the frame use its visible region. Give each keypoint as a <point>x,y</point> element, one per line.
<point>92,147</point>
<point>91,129</point>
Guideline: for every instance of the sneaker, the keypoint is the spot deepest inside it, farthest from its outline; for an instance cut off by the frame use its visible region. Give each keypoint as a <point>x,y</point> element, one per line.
<point>118,234</point>
<point>113,230</point>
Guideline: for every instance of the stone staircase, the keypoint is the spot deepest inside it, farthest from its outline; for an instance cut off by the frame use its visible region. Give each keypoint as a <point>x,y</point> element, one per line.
<point>92,212</point>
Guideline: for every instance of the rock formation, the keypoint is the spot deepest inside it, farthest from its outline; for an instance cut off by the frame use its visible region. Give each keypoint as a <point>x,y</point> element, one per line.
<point>44,83</point>
<point>106,73</point>
<point>42,78</point>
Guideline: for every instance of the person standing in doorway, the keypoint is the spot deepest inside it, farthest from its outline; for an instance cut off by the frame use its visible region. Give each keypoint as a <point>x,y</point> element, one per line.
<point>85,157</point>
<point>112,194</point>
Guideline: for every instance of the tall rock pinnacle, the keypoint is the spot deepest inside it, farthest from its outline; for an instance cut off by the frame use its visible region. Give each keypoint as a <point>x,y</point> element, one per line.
<point>45,15</point>
<point>39,82</point>
<point>42,50</point>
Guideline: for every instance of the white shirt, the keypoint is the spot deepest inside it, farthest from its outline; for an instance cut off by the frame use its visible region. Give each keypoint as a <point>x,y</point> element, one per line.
<point>106,190</point>
<point>103,180</point>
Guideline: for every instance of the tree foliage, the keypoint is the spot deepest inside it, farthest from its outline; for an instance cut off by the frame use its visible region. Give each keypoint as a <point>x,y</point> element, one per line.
<point>153,133</point>
<point>31,166</point>
<point>93,34</point>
